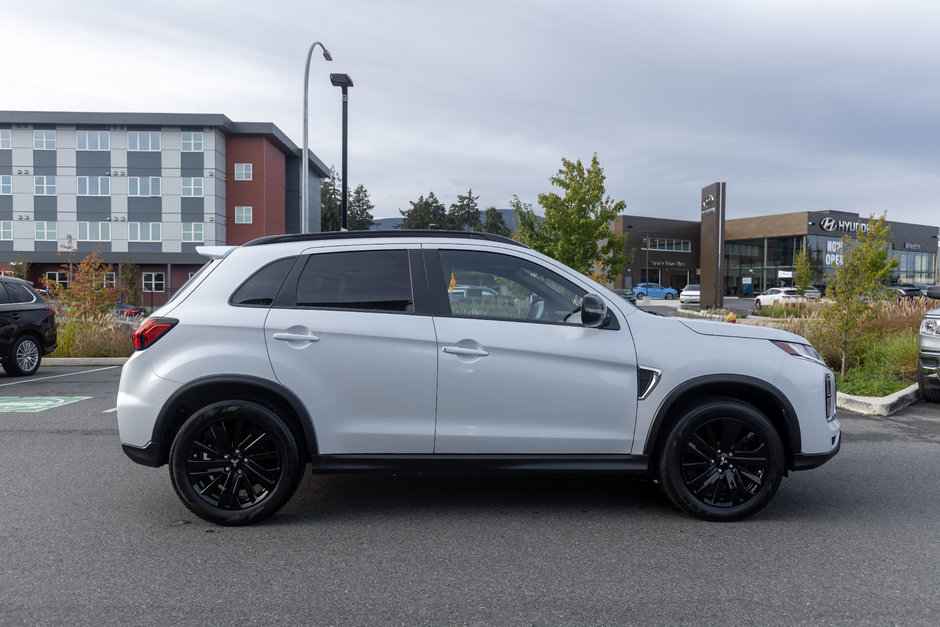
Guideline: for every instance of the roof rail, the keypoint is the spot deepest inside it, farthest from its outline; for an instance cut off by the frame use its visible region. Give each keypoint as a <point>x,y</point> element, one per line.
<point>392,233</point>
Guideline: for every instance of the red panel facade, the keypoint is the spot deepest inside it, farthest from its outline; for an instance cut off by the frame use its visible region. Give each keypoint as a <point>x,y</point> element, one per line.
<point>264,193</point>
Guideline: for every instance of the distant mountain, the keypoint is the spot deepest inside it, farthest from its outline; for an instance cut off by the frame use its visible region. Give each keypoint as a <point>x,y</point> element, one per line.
<point>384,224</point>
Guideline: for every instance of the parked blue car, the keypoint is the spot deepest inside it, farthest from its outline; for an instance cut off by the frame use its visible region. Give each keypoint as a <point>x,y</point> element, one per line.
<point>654,290</point>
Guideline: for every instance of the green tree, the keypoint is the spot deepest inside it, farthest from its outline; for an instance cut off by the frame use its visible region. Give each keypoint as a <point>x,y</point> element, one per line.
<point>464,215</point>
<point>331,202</point>
<point>857,287</point>
<point>423,213</point>
<point>802,271</point>
<point>578,227</point>
<point>130,286</point>
<point>20,267</point>
<point>493,222</point>
<point>360,210</point>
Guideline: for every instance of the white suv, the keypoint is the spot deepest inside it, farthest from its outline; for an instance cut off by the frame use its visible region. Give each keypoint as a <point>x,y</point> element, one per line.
<point>350,352</point>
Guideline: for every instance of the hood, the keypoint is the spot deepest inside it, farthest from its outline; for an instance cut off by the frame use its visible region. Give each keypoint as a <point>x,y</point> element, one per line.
<point>725,329</point>
<point>934,313</point>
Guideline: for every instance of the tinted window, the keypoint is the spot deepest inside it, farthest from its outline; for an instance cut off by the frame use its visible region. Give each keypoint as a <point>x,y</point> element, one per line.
<point>377,280</point>
<point>491,285</point>
<point>19,293</point>
<point>261,288</point>
<point>4,295</point>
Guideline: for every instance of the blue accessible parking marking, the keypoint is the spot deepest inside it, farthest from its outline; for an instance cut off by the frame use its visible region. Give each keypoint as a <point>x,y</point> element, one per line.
<point>35,403</point>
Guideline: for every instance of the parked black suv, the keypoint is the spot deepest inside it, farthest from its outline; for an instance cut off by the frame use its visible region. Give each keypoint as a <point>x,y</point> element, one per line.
<point>27,327</point>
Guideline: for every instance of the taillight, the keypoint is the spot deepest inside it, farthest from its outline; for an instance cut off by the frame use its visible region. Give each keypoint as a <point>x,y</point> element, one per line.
<point>152,330</point>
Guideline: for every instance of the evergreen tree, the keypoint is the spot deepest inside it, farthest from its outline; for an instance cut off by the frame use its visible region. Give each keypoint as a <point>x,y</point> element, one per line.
<point>494,223</point>
<point>464,215</point>
<point>423,213</point>
<point>331,202</point>
<point>360,210</point>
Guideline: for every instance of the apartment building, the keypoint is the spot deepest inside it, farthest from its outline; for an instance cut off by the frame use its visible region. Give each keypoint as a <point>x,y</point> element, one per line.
<point>145,188</point>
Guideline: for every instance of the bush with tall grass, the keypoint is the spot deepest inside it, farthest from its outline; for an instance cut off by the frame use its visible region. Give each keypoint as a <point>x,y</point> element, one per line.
<point>98,335</point>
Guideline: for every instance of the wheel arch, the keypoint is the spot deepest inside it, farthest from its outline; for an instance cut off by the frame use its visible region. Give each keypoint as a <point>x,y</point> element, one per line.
<point>206,390</point>
<point>756,392</point>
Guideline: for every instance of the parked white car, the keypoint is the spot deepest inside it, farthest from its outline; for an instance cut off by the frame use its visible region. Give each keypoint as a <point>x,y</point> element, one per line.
<point>691,293</point>
<point>928,371</point>
<point>347,352</point>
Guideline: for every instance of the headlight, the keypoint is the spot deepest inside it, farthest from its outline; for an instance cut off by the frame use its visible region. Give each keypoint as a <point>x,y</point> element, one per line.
<point>800,350</point>
<point>930,326</point>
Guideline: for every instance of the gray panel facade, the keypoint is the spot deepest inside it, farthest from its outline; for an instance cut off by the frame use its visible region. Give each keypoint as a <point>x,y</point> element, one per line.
<point>6,207</point>
<point>192,209</point>
<point>92,163</point>
<point>144,163</point>
<point>144,210</point>
<point>44,162</point>
<point>6,162</point>
<point>144,247</point>
<point>46,247</point>
<point>44,208</point>
<point>192,164</point>
<point>93,208</point>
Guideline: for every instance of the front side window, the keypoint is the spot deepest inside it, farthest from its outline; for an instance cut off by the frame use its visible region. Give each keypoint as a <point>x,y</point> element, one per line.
<point>143,232</point>
<point>143,186</point>
<point>44,140</point>
<point>93,140</point>
<point>193,231</point>
<point>94,186</point>
<point>373,280</point>
<point>192,186</point>
<point>191,141</point>
<point>6,185</point>
<point>242,171</point>
<point>45,231</point>
<point>243,215</point>
<point>153,282</point>
<point>6,139</point>
<point>94,231</point>
<point>44,185</point>
<point>143,140</point>
<point>496,286</point>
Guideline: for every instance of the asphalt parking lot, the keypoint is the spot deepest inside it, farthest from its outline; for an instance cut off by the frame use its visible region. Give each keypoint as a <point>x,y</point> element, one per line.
<point>88,537</point>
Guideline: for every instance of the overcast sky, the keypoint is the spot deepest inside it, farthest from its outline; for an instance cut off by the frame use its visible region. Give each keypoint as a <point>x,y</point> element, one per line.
<point>797,105</point>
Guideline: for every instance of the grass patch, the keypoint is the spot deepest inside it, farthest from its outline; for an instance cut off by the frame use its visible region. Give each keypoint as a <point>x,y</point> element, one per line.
<point>97,336</point>
<point>794,310</point>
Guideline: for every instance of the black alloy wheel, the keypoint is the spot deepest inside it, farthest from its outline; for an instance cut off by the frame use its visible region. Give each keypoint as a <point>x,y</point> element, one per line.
<point>24,357</point>
<point>722,461</point>
<point>235,463</point>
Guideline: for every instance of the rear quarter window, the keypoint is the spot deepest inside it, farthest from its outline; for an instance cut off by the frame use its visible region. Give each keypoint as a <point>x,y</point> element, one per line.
<point>261,287</point>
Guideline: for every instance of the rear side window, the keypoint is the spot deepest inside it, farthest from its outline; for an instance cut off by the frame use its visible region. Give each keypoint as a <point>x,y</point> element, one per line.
<point>375,280</point>
<point>261,288</point>
<point>19,293</point>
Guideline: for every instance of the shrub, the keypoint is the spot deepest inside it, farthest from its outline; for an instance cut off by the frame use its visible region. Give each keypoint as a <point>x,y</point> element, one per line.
<point>96,336</point>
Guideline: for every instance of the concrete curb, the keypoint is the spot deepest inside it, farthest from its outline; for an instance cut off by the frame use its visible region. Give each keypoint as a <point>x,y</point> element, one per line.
<point>878,405</point>
<point>84,361</point>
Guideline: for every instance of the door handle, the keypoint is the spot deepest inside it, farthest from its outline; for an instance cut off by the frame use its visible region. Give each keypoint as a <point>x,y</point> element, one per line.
<point>459,350</point>
<point>296,337</point>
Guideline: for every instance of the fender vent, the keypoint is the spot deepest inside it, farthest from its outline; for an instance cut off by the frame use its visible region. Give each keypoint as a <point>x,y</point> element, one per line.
<point>646,380</point>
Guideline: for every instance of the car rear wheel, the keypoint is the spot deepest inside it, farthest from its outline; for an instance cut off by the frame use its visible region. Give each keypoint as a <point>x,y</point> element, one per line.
<point>235,463</point>
<point>669,296</point>
<point>722,461</point>
<point>24,357</point>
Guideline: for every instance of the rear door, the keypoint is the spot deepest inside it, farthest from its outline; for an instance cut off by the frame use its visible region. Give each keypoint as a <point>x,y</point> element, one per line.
<point>344,334</point>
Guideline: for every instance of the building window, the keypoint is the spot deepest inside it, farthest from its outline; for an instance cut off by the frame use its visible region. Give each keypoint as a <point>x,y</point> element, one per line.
<point>242,171</point>
<point>242,215</point>
<point>6,139</point>
<point>192,141</point>
<point>6,185</point>
<point>44,185</point>
<point>193,231</point>
<point>143,186</point>
<point>44,140</point>
<point>143,140</point>
<point>143,232</point>
<point>94,186</point>
<point>192,186</point>
<point>154,282</point>
<point>45,231</point>
<point>93,140</point>
<point>6,230</point>
<point>105,281</point>
<point>62,278</point>
<point>672,245</point>
<point>94,231</point>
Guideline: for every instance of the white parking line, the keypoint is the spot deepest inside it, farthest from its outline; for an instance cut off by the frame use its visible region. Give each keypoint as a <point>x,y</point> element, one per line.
<point>108,411</point>
<point>56,376</point>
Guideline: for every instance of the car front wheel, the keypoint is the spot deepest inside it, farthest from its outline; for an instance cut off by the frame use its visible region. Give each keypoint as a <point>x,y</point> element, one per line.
<point>670,296</point>
<point>24,357</point>
<point>235,463</point>
<point>722,461</point>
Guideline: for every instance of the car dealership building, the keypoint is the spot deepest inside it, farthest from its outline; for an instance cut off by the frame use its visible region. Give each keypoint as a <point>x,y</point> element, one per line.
<point>759,252</point>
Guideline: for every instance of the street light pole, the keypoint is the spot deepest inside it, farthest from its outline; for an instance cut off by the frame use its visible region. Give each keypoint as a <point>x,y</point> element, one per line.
<point>344,82</point>
<point>304,169</point>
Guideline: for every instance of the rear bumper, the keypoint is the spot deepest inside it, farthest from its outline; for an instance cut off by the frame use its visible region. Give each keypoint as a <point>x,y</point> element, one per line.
<point>148,455</point>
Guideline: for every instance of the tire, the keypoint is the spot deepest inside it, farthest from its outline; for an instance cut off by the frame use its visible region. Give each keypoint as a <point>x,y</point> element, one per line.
<point>928,394</point>
<point>698,469</point>
<point>757,305</point>
<point>24,357</point>
<point>640,295</point>
<point>235,463</point>
<point>669,296</point>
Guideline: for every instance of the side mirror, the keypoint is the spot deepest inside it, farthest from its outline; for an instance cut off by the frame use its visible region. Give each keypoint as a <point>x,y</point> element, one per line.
<point>593,311</point>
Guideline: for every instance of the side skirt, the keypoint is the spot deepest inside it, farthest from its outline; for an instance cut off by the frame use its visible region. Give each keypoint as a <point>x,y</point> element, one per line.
<point>628,464</point>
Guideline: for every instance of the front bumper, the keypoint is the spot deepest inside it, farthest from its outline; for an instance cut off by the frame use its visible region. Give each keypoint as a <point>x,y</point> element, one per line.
<point>802,461</point>
<point>929,364</point>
